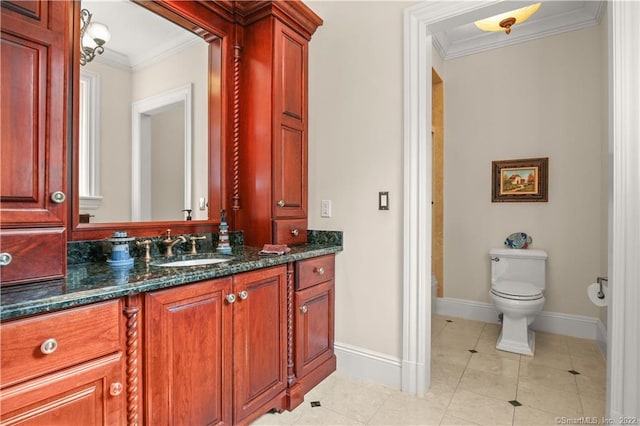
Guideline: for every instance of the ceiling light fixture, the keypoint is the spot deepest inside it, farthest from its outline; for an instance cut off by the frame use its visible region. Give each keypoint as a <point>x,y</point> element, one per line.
<point>505,21</point>
<point>93,36</point>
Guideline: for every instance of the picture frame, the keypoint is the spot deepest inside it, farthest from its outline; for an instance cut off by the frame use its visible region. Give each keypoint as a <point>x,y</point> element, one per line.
<point>521,180</point>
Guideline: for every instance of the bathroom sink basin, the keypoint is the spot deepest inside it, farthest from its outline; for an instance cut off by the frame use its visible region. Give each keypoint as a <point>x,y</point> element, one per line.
<point>191,262</point>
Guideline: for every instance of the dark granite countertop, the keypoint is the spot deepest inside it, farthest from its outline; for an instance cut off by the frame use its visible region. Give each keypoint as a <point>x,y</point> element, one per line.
<point>92,282</point>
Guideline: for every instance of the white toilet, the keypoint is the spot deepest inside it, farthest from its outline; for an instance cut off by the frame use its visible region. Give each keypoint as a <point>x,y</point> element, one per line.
<point>518,278</point>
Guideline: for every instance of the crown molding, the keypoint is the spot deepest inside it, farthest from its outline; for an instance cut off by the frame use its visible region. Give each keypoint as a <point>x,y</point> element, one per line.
<point>585,17</point>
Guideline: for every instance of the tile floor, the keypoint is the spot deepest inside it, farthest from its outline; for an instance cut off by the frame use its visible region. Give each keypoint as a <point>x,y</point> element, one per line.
<point>564,383</point>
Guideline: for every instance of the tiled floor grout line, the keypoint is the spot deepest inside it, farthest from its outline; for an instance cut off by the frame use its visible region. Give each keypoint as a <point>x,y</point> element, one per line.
<point>513,419</point>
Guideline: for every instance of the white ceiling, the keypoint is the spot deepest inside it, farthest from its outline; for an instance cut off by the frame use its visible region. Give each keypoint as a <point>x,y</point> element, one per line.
<point>461,37</point>
<point>138,36</point>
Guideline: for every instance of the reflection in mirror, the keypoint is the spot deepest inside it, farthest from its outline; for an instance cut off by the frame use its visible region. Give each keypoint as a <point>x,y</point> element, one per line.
<point>143,139</point>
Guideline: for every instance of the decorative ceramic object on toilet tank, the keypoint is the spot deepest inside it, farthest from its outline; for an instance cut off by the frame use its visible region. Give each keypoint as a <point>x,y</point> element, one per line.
<point>518,240</point>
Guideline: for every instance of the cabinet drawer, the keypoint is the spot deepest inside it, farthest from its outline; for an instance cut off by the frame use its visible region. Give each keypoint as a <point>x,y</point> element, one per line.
<point>80,334</point>
<point>290,231</point>
<point>37,254</point>
<point>313,271</point>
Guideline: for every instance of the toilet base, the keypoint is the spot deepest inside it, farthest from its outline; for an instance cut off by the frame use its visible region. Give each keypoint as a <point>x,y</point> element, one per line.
<point>517,346</point>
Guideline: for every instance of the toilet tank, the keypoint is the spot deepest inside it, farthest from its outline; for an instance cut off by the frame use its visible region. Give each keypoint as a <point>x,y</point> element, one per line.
<point>526,265</point>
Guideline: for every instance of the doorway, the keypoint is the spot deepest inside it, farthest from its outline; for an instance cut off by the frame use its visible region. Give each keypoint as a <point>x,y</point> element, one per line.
<point>623,375</point>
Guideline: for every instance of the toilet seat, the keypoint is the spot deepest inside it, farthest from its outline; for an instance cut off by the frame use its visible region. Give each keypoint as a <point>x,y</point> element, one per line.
<point>516,290</point>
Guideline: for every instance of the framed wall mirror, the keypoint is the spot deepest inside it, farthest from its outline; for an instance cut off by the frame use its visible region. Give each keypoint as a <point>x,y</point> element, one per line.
<point>148,117</point>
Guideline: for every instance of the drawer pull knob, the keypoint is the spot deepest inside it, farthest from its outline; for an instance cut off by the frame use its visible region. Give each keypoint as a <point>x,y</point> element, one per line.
<point>281,203</point>
<point>49,346</point>
<point>304,309</point>
<point>319,271</point>
<point>231,298</point>
<point>116,389</point>
<point>5,259</point>
<point>243,295</point>
<point>295,232</point>
<point>58,197</point>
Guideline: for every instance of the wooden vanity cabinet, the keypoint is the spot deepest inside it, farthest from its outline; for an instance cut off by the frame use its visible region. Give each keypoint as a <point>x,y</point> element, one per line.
<point>259,343</point>
<point>273,126</point>
<point>314,324</point>
<point>33,207</point>
<point>64,368</point>
<point>188,354</point>
<point>215,351</point>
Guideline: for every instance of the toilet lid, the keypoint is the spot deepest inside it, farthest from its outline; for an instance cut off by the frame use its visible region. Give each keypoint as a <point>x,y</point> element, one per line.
<point>516,290</point>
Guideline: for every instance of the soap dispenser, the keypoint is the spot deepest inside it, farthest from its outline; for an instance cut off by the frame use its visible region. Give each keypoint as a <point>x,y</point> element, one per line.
<point>223,235</point>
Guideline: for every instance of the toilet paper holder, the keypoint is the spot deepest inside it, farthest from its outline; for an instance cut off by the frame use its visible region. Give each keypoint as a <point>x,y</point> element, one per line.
<point>600,292</point>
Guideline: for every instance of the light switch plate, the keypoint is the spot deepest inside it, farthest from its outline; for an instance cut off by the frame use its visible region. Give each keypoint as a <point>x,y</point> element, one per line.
<point>325,208</point>
<point>383,201</point>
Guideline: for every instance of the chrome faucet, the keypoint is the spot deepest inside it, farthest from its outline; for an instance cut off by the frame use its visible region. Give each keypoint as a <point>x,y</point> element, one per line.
<point>169,243</point>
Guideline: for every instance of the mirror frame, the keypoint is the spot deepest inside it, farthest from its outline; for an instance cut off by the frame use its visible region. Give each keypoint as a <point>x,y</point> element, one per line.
<point>214,22</point>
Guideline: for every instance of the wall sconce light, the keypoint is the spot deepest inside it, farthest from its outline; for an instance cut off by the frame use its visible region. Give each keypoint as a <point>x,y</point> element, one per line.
<point>93,36</point>
<point>505,21</point>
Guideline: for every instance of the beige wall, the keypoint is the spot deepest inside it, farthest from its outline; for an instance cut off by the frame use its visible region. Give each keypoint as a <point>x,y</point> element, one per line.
<point>537,99</point>
<point>115,144</point>
<point>356,150</point>
<point>604,88</point>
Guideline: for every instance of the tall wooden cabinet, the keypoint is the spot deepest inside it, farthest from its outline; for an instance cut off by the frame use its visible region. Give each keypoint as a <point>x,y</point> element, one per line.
<point>33,189</point>
<point>273,122</point>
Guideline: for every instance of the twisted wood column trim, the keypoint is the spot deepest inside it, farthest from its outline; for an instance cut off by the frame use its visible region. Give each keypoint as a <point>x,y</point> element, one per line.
<point>236,127</point>
<point>131,311</point>
<point>291,377</point>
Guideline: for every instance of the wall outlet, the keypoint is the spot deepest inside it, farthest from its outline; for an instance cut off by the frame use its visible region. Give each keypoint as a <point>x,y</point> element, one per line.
<point>325,208</point>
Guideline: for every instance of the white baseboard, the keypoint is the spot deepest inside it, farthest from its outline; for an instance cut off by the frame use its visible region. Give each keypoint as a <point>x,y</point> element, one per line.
<point>467,309</point>
<point>368,366</point>
<point>551,322</point>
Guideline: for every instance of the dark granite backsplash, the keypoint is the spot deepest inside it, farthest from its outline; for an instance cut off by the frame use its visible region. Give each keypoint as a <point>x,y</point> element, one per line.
<point>324,237</point>
<point>79,252</point>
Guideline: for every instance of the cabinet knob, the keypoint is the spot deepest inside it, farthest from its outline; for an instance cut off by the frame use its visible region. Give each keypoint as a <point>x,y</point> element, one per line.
<point>295,232</point>
<point>281,203</point>
<point>49,346</point>
<point>58,197</point>
<point>5,259</point>
<point>116,389</point>
<point>304,309</point>
<point>243,295</point>
<point>231,298</point>
<point>319,271</point>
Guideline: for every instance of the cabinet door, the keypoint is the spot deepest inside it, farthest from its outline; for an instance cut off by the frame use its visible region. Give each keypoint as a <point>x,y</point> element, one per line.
<point>259,339</point>
<point>89,394</point>
<point>188,355</point>
<point>33,125</point>
<point>314,327</point>
<point>33,133</point>
<point>290,135</point>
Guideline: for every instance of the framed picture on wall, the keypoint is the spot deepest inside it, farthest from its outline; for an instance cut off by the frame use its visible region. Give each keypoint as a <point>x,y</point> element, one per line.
<point>523,180</point>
